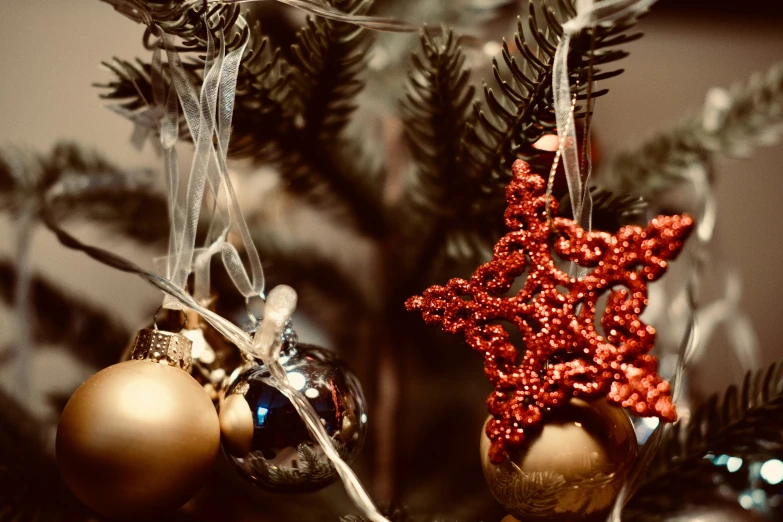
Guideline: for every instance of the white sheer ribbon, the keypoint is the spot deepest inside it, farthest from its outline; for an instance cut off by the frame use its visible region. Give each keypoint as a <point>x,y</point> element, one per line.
<point>591,14</point>
<point>211,136</point>
<point>208,117</point>
<point>588,14</point>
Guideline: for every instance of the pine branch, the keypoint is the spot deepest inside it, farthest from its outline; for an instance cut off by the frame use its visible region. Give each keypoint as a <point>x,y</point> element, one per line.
<point>610,211</point>
<point>262,109</point>
<point>523,110</point>
<point>745,423</point>
<point>514,118</point>
<point>329,57</point>
<point>89,332</point>
<point>76,183</point>
<point>732,122</point>
<point>263,101</point>
<point>32,490</point>
<point>287,114</point>
<point>435,112</point>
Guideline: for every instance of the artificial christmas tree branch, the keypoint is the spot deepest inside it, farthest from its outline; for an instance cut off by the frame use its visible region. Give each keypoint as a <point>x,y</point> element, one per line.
<point>523,112</point>
<point>329,57</point>
<point>732,123</point>
<point>93,335</point>
<point>77,183</point>
<point>328,60</point>
<point>516,119</point>
<point>288,113</point>
<point>435,111</point>
<point>745,423</point>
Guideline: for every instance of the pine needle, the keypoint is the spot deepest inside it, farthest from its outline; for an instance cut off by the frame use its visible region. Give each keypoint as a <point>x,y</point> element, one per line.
<point>746,422</point>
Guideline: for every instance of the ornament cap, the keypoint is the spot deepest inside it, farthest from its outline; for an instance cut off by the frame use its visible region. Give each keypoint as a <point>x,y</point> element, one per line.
<point>160,346</point>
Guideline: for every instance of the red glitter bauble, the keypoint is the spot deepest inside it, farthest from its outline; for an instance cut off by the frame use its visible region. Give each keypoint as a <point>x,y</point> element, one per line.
<point>563,356</point>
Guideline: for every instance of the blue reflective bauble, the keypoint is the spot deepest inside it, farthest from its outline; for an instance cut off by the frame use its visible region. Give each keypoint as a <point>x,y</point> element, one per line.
<point>264,436</point>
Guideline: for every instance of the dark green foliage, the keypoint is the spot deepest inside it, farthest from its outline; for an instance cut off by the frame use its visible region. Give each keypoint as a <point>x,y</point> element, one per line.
<point>505,128</point>
<point>522,110</point>
<point>262,107</point>
<point>329,57</point>
<point>92,334</point>
<point>75,183</point>
<point>31,485</point>
<point>745,422</point>
<point>436,110</point>
<point>610,211</point>
<point>290,114</point>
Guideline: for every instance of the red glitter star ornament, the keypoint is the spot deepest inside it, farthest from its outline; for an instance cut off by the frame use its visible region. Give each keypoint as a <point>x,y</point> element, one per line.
<point>563,356</point>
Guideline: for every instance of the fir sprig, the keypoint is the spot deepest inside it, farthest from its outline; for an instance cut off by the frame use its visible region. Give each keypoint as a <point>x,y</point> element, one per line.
<point>328,59</point>
<point>286,113</point>
<point>89,332</point>
<point>515,118</point>
<point>510,122</point>
<point>732,123</point>
<point>262,106</point>
<point>436,110</point>
<point>745,422</point>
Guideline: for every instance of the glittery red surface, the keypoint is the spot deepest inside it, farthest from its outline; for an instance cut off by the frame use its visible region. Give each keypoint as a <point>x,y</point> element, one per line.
<point>563,355</point>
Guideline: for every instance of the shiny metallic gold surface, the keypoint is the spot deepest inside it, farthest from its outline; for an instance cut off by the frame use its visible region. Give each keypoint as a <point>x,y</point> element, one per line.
<point>572,471</point>
<point>211,359</point>
<point>137,439</point>
<point>236,425</point>
<point>165,347</point>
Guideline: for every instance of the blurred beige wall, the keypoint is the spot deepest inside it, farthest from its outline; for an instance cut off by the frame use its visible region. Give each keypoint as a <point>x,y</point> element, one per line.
<point>50,55</point>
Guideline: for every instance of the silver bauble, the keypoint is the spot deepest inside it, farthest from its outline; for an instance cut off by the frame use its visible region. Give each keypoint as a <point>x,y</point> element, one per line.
<point>267,441</point>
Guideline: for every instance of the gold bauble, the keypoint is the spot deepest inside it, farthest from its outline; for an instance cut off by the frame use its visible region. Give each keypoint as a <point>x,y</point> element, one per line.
<point>571,471</point>
<point>236,425</point>
<point>214,359</point>
<point>139,438</point>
